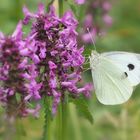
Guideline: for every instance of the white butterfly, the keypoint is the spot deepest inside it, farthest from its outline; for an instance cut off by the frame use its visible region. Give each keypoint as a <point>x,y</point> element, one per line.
<point>114,75</point>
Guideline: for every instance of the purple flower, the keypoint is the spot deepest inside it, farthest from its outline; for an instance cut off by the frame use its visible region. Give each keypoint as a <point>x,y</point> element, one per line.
<point>107,19</point>
<point>33,88</point>
<point>17,74</point>
<point>87,37</point>
<point>95,22</point>
<point>57,96</point>
<point>52,46</point>
<point>52,65</point>
<point>80,1</point>
<point>32,111</point>
<point>12,64</point>
<point>106,6</point>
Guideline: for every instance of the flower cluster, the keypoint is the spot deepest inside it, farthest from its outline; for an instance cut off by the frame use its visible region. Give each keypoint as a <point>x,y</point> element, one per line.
<point>12,68</point>
<point>52,46</point>
<point>97,19</point>
<point>46,62</point>
<point>10,65</point>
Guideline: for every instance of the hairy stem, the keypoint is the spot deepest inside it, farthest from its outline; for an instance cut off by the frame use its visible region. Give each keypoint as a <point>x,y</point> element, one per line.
<point>10,128</point>
<point>10,118</point>
<point>59,124</point>
<point>63,108</point>
<point>64,117</point>
<point>46,132</point>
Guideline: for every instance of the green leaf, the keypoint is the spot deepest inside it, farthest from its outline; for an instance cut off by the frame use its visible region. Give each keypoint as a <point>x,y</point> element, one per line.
<point>49,3</point>
<point>83,109</point>
<point>73,8</point>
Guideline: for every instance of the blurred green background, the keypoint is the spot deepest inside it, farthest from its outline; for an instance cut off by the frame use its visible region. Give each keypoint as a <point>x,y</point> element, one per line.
<point>120,122</point>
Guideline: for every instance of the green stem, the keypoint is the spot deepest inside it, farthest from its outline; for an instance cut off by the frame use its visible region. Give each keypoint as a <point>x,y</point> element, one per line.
<point>63,108</point>
<point>20,131</point>
<point>59,122</point>
<point>10,131</point>
<point>10,118</point>
<point>18,7</point>
<point>60,3</point>
<point>64,117</point>
<point>46,132</point>
<point>75,123</point>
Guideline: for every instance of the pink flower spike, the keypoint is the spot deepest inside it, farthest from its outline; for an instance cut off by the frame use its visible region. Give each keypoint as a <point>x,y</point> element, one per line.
<point>57,59</point>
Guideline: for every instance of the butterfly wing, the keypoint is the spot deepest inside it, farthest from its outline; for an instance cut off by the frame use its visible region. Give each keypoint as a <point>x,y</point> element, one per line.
<point>129,63</point>
<point>111,86</point>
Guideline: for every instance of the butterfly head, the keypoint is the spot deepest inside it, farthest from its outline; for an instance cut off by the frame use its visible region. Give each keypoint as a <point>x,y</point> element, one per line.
<point>94,55</point>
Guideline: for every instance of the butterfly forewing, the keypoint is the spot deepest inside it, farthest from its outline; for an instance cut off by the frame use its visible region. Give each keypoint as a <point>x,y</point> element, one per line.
<point>129,63</point>
<point>111,84</point>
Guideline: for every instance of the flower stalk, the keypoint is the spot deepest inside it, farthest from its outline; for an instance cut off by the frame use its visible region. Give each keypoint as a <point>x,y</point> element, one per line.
<point>47,123</point>
<point>59,124</point>
<point>61,4</point>
<point>64,117</point>
<point>63,108</point>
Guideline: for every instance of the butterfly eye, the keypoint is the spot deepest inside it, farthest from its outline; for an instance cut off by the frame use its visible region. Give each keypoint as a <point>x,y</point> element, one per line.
<point>130,66</point>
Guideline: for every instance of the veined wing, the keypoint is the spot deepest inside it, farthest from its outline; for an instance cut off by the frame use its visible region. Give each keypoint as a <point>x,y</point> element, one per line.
<point>129,63</point>
<point>111,86</point>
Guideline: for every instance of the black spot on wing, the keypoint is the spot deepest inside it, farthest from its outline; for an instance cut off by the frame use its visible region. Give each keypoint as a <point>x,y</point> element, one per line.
<point>126,74</point>
<point>130,66</point>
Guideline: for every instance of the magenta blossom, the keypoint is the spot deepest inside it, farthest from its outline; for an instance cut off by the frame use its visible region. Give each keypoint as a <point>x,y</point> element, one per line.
<point>80,1</point>
<point>52,46</point>
<point>12,68</point>
<point>95,22</point>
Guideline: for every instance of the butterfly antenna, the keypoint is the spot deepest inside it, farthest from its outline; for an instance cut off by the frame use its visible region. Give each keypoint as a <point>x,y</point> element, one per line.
<point>92,39</point>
